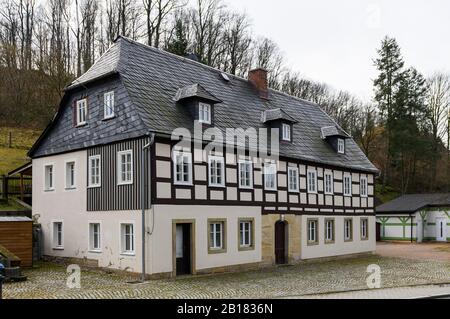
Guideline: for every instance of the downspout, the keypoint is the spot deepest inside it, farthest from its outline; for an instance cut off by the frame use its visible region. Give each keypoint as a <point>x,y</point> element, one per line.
<point>142,187</point>
<point>410,215</point>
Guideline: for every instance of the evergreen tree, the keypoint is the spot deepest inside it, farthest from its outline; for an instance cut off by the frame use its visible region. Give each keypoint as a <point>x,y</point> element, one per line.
<point>390,66</point>
<point>179,44</point>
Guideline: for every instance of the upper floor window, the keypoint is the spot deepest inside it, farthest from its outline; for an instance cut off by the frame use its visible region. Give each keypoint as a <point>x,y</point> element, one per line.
<point>347,185</point>
<point>363,186</point>
<point>245,174</point>
<point>328,183</point>
<point>312,181</point>
<point>49,178</point>
<point>293,179</point>
<point>94,179</point>
<point>81,112</point>
<point>286,132</point>
<point>182,167</point>
<point>70,175</point>
<point>216,171</point>
<point>109,105</point>
<point>125,167</point>
<point>270,176</point>
<point>204,113</point>
<point>341,146</point>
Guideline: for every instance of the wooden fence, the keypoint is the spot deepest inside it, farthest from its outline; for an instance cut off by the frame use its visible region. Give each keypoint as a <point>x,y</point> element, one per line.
<point>15,186</point>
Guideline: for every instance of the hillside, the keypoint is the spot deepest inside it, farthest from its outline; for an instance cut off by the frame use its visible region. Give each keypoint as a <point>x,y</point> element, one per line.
<point>16,155</point>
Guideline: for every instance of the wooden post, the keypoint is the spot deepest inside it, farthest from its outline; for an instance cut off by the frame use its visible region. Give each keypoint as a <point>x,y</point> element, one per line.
<point>10,140</point>
<point>22,191</point>
<point>5,187</point>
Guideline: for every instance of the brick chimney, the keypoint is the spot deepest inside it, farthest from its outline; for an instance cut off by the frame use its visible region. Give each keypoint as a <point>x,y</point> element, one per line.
<point>258,77</point>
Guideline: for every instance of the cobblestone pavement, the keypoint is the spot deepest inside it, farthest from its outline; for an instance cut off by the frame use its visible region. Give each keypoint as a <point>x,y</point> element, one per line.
<point>49,281</point>
<point>423,251</point>
<point>389,293</point>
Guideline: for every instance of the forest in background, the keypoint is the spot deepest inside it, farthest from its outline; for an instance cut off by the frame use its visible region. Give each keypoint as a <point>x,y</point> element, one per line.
<point>45,44</point>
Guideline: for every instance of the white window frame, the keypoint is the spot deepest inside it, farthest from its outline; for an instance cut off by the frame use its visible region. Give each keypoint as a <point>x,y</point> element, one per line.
<point>221,161</point>
<point>348,229</point>
<point>247,164</point>
<point>270,169</point>
<point>49,184</point>
<point>308,181</point>
<point>176,155</point>
<point>79,103</point>
<point>312,231</point>
<point>286,134</point>
<point>213,235</point>
<point>68,175</point>
<point>92,248</point>
<point>90,184</point>
<point>204,113</point>
<point>293,170</point>
<point>108,98</point>
<point>55,240</point>
<point>347,192</point>
<point>123,250</point>
<point>120,180</point>
<point>243,232</point>
<point>364,228</point>
<point>363,186</point>
<point>341,146</point>
<point>326,190</point>
<point>329,231</point>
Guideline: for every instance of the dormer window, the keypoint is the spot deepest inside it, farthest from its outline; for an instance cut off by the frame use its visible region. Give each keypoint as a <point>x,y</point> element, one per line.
<point>286,132</point>
<point>204,113</point>
<point>109,105</point>
<point>341,146</point>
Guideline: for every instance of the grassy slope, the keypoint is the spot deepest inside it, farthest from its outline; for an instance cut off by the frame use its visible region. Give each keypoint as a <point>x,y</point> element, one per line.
<point>22,140</point>
<point>388,194</point>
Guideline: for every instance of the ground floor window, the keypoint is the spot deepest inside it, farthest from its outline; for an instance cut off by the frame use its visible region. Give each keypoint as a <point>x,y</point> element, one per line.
<point>127,238</point>
<point>364,229</point>
<point>348,229</point>
<point>246,233</point>
<point>313,225</point>
<point>58,235</point>
<point>94,237</point>
<point>329,230</point>
<point>217,232</point>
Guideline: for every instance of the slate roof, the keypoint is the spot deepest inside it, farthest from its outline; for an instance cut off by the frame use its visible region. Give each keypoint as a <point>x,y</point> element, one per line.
<point>414,202</point>
<point>153,77</point>
<point>276,114</point>
<point>195,90</point>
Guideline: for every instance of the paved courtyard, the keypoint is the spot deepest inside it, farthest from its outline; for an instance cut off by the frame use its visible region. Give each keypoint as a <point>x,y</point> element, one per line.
<point>424,251</point>
<point>49,281</point>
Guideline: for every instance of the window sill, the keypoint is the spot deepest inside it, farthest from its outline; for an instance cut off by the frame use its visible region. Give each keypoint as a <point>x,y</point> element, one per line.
<point>95,251</point>
<point>216,186</point>
<point>124,183</point>
<point>295,191</point>
<point>183,184</point>
<point>58,248</point>
<point>313,193</point>
<point>329,242</point>
<point>246,248</point>
<point>313,243</point>
<point>94,186</point>
<point>270,189</point>
<point>216,251</point>
<point>109,118</point>
<point>246,187</point>
<point>81,125</point>
<point>348,240</point>
<point>49,190</point>
<point>70,188</point>
<point>128,254</point>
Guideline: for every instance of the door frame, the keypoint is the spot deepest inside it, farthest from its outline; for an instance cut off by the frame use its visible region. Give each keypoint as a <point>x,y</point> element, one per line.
<point>286,241</point>
<point>174,244</point>
<point>438,224</point>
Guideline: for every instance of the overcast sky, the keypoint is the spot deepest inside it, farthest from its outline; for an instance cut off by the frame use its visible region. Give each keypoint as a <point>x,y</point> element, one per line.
<point>335,41</point>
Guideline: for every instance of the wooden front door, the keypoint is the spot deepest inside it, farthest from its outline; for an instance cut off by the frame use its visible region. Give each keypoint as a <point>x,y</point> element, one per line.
<point>280,242</point>
<point>378,232</point>
<point>183,249</point>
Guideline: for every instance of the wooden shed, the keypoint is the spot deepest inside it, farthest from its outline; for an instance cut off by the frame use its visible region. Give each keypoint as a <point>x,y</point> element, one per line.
<point>16,235</point>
